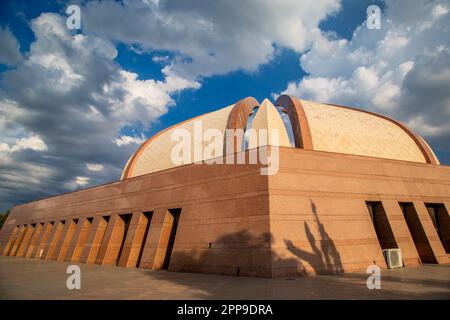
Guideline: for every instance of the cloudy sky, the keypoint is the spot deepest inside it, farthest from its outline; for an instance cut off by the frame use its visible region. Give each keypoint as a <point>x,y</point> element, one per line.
<point>75,104</point>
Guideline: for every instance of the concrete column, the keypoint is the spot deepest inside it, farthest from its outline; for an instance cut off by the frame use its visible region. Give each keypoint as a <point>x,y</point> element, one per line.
<point>43,241</point>
<point>10,243</point>
<point>401,233</point>
<point>133,242</point>
<point>18,240</point>
<point>157,240</point>
<point>94,240</point>
<point>6,232</point>
<point>110,248</point>
<point>76,246</point>
<point>26,240</point>
<point>49,251</point>
<point>64,241</point>
<point>431,238</point>
<point>34,240</point>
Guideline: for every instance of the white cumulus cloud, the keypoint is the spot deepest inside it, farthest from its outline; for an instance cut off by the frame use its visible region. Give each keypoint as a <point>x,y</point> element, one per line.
<point>33,143</point>
<point>64,103</point>
<point>94,166</point>
<point>81,181</point>
<point>213,38</point>
<point>402,70</point>
<point>126,140</point>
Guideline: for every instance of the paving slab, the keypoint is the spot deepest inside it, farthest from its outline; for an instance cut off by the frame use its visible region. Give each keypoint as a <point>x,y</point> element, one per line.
<point>23,278</point>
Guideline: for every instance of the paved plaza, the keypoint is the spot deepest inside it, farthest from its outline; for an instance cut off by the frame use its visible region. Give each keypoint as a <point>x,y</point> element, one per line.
<point>40,279</point>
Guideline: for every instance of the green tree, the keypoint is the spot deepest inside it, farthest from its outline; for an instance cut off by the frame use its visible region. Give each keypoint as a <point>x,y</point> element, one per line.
<point>3,217</point>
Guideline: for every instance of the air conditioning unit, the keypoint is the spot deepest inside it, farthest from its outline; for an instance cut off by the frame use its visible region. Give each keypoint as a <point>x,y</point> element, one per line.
<point>393,258</point>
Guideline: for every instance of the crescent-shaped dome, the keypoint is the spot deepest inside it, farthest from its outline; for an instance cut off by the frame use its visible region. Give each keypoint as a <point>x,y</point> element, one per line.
<point>316,126</point>
<point>155,153</point>
<point>352,131</point>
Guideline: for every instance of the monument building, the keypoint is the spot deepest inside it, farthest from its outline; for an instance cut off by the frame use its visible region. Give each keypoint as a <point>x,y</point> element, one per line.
<point>347,185</point>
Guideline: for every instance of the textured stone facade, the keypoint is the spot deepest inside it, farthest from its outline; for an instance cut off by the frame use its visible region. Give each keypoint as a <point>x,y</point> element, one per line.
<point>316,215</point>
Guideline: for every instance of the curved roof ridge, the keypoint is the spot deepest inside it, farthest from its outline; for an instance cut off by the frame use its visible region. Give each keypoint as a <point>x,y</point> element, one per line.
<point>132,161</point>
<point>423,146</point>
<point>314,126</point>
<point>237,108</point>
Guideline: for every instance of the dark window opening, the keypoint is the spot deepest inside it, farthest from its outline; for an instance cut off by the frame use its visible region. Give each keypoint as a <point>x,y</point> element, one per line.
<point>381,224</point>
<point>176,216</point>
<point>441,221</point>
<point>126,218</point>
<point>417,232</point>
<point>148,216</point>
